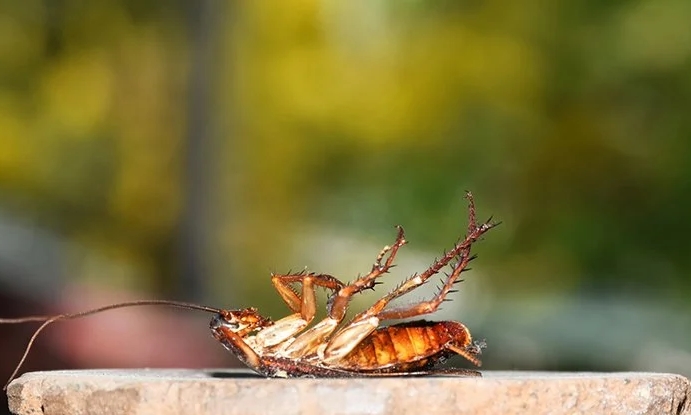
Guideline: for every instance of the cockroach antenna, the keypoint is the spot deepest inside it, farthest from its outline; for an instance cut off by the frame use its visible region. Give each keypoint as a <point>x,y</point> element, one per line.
<point>48,320</point>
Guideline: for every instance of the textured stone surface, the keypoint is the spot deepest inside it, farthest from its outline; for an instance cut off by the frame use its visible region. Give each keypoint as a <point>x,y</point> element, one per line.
<point>238,392</point>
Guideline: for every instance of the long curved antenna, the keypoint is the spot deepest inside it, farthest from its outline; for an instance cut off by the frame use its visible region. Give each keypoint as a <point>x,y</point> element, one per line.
<point>47,320</point>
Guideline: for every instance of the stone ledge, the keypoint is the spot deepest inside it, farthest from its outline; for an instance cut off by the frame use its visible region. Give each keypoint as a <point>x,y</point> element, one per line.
<point>224,391</point>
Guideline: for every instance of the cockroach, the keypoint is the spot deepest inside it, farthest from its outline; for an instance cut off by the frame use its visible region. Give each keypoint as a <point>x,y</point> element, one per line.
<point>360,348</point>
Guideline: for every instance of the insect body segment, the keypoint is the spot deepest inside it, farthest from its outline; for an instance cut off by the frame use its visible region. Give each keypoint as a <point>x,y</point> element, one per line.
<point>360,347</point>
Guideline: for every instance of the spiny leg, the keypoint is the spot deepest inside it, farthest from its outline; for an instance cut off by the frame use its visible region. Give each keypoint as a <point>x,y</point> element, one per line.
<point>337,305</point>
<point>366,322</point>
<point>460,251</point>
<point>426,307</point>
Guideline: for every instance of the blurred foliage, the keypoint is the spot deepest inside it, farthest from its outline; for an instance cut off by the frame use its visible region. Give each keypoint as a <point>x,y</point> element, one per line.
<point>92,119</point>
<point>567,120</point>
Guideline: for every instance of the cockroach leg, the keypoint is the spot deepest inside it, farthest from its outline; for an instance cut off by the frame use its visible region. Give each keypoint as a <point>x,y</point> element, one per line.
<point>338,304</point>
<point>297,304</point>
<point>460,251</point>
<point>303,307</point>
<point>426,307</point>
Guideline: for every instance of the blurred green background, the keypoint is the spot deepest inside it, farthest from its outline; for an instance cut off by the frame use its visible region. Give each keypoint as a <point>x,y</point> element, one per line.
<point>187,149</point>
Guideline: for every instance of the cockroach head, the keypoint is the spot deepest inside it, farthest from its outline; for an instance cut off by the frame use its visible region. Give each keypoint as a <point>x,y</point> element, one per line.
<point>241,322</point>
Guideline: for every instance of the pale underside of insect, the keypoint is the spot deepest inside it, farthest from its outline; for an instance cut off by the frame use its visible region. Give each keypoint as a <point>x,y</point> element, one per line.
<point>331,348</point>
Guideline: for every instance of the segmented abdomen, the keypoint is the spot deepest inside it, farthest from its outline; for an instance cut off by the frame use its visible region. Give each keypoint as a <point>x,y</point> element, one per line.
<point>407,346</point>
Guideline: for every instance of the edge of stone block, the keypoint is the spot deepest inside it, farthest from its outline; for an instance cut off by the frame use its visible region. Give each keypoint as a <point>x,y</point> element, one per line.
<point>140,390</point>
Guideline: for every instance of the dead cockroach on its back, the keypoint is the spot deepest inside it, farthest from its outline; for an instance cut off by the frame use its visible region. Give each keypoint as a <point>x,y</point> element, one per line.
<point>361,347</point>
